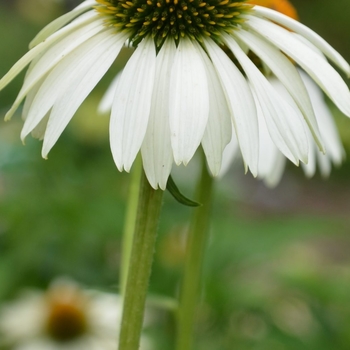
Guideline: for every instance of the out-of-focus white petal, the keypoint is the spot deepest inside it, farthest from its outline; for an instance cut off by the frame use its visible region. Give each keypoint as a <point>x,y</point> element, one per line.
<point>333,144</point>
<point>53,56</point>
<point>86,78</point>
<point>229,154</point>
<point>324,164</point>
<point>218,132</point>
<point>132,104</point>
<point>241,103</point>
<point>284,123</point>
<point>321,71</point>
<point>156,149</point>
<point>44,45</point>
<point>307,33</point>
<point>106,102</point>
<point>271,160</point>
<point>61,21</point>
<point>287,73</point>
<point>189,101</point>
<point>310,167</point>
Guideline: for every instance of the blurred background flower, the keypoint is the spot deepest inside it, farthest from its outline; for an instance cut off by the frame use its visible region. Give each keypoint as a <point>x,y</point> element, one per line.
<point>63,317</point>
<point>277,268</point>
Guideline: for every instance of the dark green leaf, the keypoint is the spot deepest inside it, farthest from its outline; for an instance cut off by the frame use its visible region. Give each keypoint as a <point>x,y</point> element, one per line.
<point>175,192</point>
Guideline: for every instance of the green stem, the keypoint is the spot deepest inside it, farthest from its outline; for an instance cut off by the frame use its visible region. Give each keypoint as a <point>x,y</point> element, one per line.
<point>141,258</point>
<point>195,251</point>
<point>130,221</point>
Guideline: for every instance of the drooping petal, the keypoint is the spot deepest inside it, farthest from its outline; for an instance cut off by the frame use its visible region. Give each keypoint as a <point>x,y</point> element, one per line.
<point>61,21</point>
<point>324,164</point>
<point>106,102</point>
<point>287,73</point>
<point>157,155</point>
<point>284,123</point>
<point>85,79</point>
<point>241,103</point>
<point>218,132</point>
<point>271,160</point>
<point>310,167</point>
<point>60,78</point>
<point>51,57</point>
<point>229,155</point>
<point>44,45</point>
<point>333,144</point>
<point>189,101</point>
<point>321,71</point>
<point>132,104</point>
<point>307,33</point>
<point>39,131</point>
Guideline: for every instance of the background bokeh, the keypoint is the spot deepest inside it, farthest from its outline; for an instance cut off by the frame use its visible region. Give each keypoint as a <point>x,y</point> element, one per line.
<point>277,270</point>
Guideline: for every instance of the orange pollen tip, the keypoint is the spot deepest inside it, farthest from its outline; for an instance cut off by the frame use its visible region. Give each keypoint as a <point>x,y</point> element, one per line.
<point>283,6</point>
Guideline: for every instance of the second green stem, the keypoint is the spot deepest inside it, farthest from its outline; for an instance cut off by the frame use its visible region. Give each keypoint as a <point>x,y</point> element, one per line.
<point>195,250</point>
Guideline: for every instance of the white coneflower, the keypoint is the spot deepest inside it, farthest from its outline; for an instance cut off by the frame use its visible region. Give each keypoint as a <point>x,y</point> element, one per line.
<point>271,161</point>
<point>187,83</point>
<point>65,317</point>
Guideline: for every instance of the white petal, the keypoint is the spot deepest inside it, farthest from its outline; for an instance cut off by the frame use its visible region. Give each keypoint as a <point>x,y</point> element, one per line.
<point>322,72</point>
<point>39,131</point>
<point>329,132</point>
<point>218,132</point>
<point>324,163</point>
<point>106,103</point>
<point>271,160</point>
<point>189,101</point>
<point>241,103</point>
<point>284,123</point>
<point>85,79</point>
<point>37,50</point>
<point>229,154</point>
<point>307,33</point>
<point>59,79</point>
<point>31,95</point>
<point>51,57</point>
<point>157,155</point>
<point>132,104</point>
<point>287,73</point>
<point>273,178</point>
<point>310,167</point>
<point>60,22</point>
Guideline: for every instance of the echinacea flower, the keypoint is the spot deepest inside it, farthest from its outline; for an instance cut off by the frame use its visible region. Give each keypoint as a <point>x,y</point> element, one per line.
<point>271,161</point>
<point>188,82</point>
<point>65,317</point>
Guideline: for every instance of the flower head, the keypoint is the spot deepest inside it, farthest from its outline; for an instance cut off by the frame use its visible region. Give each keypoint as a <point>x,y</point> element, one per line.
<point>191,80</point>
<point>63,317</point>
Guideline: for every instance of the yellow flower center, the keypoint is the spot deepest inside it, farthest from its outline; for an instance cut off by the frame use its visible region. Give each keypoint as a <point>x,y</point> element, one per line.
<point>66,319</point>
